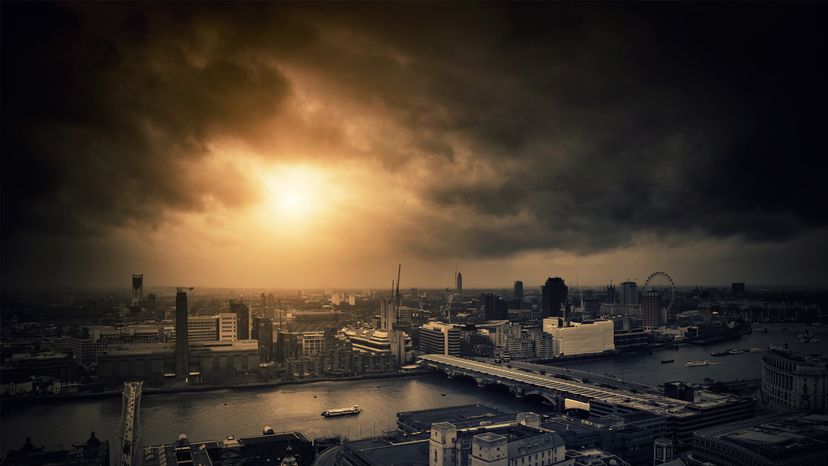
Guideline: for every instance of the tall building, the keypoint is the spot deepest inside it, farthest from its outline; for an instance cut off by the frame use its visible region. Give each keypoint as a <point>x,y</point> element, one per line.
<point>629,293</point>
<point>182,346</point>
<point>494,307</point>
<point>651,312</point>
<point>263,333</point>
<point>553,297</point>
<point>242,319</point>
<point>458,283</point>
<point>137,289</point>
<point>518,290</point>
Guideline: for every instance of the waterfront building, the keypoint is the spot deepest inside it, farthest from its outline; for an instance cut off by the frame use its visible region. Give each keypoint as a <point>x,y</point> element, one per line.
<point>182,349</point>
<point>440,338</point>
<point>268,448</point>
<point>792,380</point>
<point>774,440</point>
<point>553,297</point>
<point>578,338</point>
<point>211,361</point>
<point>651,309</point>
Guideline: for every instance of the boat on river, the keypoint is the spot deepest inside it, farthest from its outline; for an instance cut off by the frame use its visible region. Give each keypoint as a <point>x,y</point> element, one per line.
<point>353,410</point>
<point>698,363</point>
<point>667,361</point>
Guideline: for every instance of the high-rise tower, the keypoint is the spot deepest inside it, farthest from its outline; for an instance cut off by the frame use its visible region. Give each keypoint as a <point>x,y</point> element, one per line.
<point>137,289</point>
<point>242,319</point>
<point>458,283</point>
<point>182,347</point>
<point>651,309</point>
<point>518,290</point>
<point>553,297</point>
<point>629,293</point>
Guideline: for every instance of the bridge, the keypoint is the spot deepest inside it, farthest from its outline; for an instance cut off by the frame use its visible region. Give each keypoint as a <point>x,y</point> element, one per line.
<point>130,408</point>
<point>522,383</point>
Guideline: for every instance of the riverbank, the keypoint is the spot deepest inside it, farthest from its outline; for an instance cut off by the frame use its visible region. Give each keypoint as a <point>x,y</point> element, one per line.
<point>85,396</point>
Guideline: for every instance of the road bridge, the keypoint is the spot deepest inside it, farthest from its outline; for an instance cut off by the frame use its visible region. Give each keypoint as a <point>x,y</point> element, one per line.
<point>553,389</point>
<point>130,408</point>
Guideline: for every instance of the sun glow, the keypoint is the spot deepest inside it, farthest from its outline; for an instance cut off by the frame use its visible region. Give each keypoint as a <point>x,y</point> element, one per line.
<point>292,192</point>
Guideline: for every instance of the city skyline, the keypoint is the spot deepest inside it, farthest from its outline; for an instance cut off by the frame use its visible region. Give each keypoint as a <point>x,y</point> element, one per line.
<point>311,146</point>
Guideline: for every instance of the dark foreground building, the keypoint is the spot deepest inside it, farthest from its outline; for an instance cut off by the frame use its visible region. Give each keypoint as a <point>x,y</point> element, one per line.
<point>93,452</point>
<point>266,449</point>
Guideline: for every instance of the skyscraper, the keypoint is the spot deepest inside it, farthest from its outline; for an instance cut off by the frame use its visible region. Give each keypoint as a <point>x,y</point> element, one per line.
<point>553,297</point>
<point>518,290</point>
<point>137,289</point>
<point>629,293</point>
<point>458,285</point>
<point>611,295</point>
<point>651,309</point>
<point>242,319</point>
<point>182,347</point>
<point>494,307</point>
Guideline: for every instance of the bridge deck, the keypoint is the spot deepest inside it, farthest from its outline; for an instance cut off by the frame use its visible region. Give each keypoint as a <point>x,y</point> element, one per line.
<point>572,389</point>
<point>131,395</point>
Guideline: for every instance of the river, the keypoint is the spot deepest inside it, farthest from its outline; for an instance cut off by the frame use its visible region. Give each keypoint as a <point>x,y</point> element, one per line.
<point>214,415</point>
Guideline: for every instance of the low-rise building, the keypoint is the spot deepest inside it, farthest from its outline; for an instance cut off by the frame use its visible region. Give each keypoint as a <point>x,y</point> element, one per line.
<point>440,338</point>
<point>774,440</point>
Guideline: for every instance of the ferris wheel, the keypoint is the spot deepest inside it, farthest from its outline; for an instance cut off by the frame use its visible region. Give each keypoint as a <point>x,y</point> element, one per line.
<point>663,284</point>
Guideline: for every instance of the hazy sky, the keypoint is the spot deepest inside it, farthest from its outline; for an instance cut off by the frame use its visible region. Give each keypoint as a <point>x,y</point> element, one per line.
<point>318,145</point>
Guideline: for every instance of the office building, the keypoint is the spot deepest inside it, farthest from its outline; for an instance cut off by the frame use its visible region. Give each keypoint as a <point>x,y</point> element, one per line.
<point>578,338</point>
<point>651,310</point>
<point>553,297</point>
<point>202,328</point>
<point>628,293</point>
<point>458,283</point>
<point>242,312</point>
<point>792,380</point>
<point>228,327</point>
<point>182,347</point>
<point>611,294</point>
<point>263,333</point>
<point>774,440</point>
<point>440,338</point>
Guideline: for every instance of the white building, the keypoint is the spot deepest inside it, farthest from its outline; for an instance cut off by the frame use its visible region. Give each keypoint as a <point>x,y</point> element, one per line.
<point>580,338</point>
<point>228,322</point>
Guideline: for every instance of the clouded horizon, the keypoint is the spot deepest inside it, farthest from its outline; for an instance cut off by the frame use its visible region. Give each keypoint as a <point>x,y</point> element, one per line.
<point>318,145</point>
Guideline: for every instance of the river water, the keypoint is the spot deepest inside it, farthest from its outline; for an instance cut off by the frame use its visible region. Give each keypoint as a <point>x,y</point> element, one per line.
<point>214,415</point>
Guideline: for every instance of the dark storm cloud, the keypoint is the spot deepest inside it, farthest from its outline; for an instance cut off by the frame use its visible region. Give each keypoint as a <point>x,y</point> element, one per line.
<point>587,124</point>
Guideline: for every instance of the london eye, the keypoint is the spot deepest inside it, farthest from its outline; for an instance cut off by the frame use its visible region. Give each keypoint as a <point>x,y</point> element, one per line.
<point>663,284</point>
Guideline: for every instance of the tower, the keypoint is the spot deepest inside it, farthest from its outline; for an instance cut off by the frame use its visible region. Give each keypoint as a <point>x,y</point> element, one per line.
<point>629,293</point>
<point>489,449</point>
<point>518,290</point>
<point>182,347</point>
<point>242,319</point>
<point>137,289</point>
<point>662,451</point>
<point>442,444</point>
<point>553,297</point>
<point>651,309</point>
<point>458,284</point>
